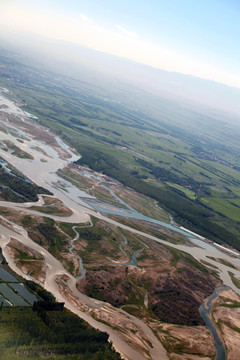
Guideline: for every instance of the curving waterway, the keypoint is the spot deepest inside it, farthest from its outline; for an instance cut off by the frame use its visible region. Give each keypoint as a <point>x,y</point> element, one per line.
<point>81,270</point>
<point>205,311</point>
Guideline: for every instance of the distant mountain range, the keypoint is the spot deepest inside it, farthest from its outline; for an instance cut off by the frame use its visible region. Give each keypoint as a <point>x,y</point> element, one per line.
<point>73,59</point>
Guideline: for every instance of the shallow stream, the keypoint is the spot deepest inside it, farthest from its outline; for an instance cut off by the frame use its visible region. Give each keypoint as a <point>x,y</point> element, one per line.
<point>205,311</point>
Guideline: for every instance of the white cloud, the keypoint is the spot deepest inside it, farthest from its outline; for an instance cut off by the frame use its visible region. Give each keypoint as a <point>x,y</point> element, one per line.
<point>125,31</point>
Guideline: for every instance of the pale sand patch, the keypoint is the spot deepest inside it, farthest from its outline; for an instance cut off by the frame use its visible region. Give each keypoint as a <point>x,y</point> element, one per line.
<point>228,319</point>
<point>131,333</point>
<point>68,294</point>
<point>34,264</point>
<point>230,294</point>
<point>229,315</point>
<point>191,339</point>
<point>232,341</point>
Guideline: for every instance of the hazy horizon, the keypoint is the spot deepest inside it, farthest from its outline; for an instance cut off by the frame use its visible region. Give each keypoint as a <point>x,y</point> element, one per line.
<point>198,39</point>
<point>72,58</point>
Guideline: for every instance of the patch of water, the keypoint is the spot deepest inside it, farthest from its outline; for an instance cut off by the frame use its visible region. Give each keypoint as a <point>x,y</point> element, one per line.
<point>64,146</point>
<point>6,276</point>
<point>20,288</point>
<point>10,295</point>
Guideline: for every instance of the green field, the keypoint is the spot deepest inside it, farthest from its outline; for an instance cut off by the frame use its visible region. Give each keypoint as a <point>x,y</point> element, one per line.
<point>228,207</point>
<point>189,193</point>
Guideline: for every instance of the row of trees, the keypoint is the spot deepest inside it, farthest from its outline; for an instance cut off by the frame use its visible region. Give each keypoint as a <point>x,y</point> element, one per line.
<point>60,331</point>
<point>60,334</point>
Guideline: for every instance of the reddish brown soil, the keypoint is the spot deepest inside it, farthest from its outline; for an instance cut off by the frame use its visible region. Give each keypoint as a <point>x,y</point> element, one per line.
<point>109,285</point>
<point>176,298</point>
<point>176,288</point>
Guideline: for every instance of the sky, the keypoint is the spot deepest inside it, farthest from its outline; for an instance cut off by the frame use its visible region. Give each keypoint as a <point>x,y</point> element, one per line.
<point>199,38</point>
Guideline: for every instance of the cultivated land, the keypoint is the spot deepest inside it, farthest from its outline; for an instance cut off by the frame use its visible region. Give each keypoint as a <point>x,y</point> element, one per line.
<point>143,287</point>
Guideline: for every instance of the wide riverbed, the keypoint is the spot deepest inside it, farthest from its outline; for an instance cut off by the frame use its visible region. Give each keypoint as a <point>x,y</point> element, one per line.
<point>42,170</point>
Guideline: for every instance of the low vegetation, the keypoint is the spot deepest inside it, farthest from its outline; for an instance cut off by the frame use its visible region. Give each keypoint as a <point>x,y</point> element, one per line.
<point>235,280</point>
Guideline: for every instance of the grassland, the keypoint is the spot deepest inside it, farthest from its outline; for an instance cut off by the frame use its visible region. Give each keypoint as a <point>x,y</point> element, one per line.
<point>228,207</point>
<point>189,193</point>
